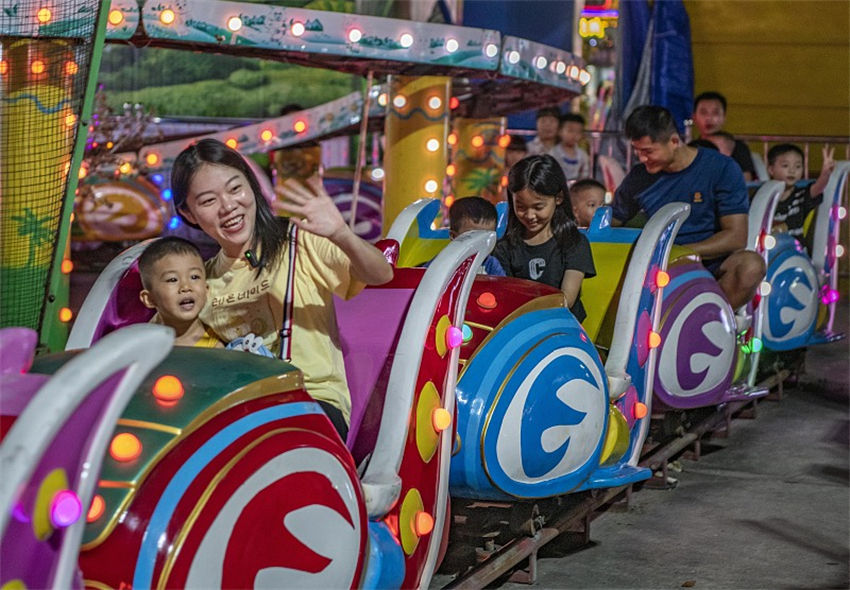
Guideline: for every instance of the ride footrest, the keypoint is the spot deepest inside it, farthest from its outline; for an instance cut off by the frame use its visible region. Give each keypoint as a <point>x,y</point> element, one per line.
<point>742,391</point>
<point>825,337</point>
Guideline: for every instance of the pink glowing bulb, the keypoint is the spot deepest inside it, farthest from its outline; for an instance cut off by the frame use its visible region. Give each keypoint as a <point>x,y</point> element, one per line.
<point>454,337</point>
<point>65,509</point>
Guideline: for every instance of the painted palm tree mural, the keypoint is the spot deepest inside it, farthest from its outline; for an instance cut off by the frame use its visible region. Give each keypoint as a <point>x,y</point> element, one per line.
<point>479,158</point>
<point>35,231</point>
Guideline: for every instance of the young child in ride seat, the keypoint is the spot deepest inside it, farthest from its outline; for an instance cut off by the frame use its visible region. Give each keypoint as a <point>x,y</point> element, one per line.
<point>586,195</point>
<point>542,241</point>
<point>174,283</point>
<point>573,160</point>
<point>471,213</point>
<point>785,163</point>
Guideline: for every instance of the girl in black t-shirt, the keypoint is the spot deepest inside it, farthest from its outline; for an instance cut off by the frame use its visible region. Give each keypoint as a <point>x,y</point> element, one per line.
<point>542,242</point>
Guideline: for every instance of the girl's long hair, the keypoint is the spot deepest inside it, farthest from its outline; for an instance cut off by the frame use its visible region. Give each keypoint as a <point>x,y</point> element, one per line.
<point>270,231</point>
<point>543,175</point>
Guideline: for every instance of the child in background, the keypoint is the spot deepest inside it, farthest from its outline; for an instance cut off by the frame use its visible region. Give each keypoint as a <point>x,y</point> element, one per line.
<point>471,213</point>
<point>542,242</point>
<point>586,195</point>
<point>573,160</point>
<point>547,123</point>
<point>785,163</point>
<point>174,283</point>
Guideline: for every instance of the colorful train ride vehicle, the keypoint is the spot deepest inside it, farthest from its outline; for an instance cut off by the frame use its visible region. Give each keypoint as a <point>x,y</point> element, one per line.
<point>804,290</point>
<point>516,439</point>
<point>214,442</point>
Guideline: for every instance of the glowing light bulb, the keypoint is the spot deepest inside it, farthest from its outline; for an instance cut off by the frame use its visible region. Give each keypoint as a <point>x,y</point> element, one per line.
<point>43,15</point>
<point>432,145</point>
<point>37,67</point>
<point>125,447</point>
<point>513,57</point>
<point>125,168</point>
<point>174,222</point>
<point>109,145</point>
<point>300,126</point>
<point>764,289</point>
<point>168,389</point>
<point>477,141</point>
<point>97,508</point>
<point>757,344</point>
<point>354,35</point>
<point>503,181</point>
<point>842,212</point>
<point>116,17</point>
<point>486,300</point>
<point>431,186</point>
<point>769,242</point>
<point>82,173</point>
<point>266,135</point>
<point>406,40</point>
<point>65,315</point>
<point>454,102</point>
<point>441,419</point>
<point>654,339</point>
<point>67,266</point>
<point>167,16</point>
<point>540,62</point>
<point>504,141</point>
<point>449,201</point>
<point>560,67</point>
<point>152,159</point>
<point>71,67</point>
<point>378,174</point>
<point>573,72</point>
<point>452,139</point>
<point>639,410</point>
<point>297,29</point>
<point>234,23</point>
<point>4,67</point>
<point>435,102</point>
<point>451,170</point>
<point>584,77</point>
<point>839,250</point>
<point>231,143</point>
<point>454,337</point>
<point>452,45</point>
<point>491,49</point>
<point>65,509</point>
<point>382,99</point>
<point>399,101</point>
<point>166,194</point>
<point>467,333</point>
<point>662,279</point>
<point>423,523</point>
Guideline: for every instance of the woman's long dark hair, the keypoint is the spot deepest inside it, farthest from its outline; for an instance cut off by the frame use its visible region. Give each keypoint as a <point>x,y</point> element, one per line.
<point>543,175</point>
<point>269,230</point>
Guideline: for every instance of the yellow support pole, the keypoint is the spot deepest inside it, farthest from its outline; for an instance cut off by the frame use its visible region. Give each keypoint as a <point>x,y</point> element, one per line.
<point>416,128</point>
<point>479,158</point>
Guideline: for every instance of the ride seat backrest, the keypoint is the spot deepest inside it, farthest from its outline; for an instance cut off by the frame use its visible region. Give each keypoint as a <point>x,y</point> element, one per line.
<point>123,308</point>
<point>369,327</point>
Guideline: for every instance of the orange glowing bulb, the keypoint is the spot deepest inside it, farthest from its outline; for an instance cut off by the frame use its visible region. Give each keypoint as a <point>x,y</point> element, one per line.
<point>125,168</point>
<point>168,388</point>
<point>486,300</point>
<point>67,266</point>
<point>152,159</point>
<point>65,315</point>
<point>71,68</point>
<point>266,135</point>
<point>504,141</point>
<point>167,16</point>
<point>231,143</point>
<point>454,102</point>
<point>43,15</point>
<point>97,508</point>
<point>452,138</point>
<point>654,339</point>
<point>451,170</point>
<point>82,173</point>
<point>503,182</point>
<point>4,67</point>
<point>300,126</point>
<point>115,18</point>
<point>441,419</point>
<point>125,447</point>
<point>109,145</point>
<point>662,278</point>
<point>640,410</point>
<point>37,67</point>
<point>423,523</point>
<point>477,141</point>
<point>449,201</point>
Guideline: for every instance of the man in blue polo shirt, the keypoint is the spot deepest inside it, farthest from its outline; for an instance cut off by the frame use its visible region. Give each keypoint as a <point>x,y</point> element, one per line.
<point>711,183</point>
